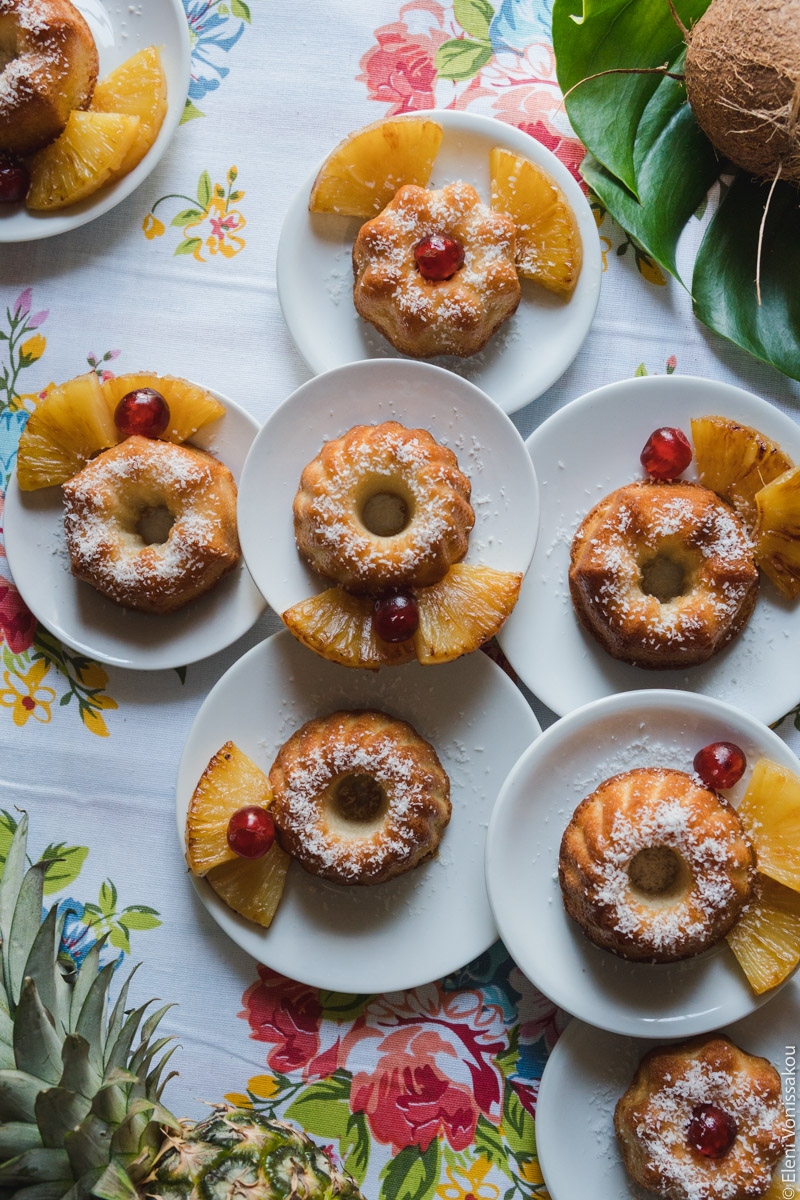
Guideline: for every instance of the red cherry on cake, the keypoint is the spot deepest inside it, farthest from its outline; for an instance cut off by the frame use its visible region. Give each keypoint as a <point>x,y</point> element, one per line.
<point>720,765</point>
<point>711,1131</point>
<point>14,180</point>
<point>439,256</point>
<point>396,617</point>
<point>143,411</point>
<point>666,453</point>
<point>251,831</point>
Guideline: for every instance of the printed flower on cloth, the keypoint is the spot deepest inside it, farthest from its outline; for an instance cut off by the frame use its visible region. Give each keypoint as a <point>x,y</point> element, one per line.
<point>215,27</point>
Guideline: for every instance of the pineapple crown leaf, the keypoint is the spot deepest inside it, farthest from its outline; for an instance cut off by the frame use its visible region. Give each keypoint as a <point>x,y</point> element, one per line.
<point>37,1046</point>
<point>18,1092</point>
<point>119,1051</point>
<point>43,967</point>
<point>58,1111</point>
<point>78,1075</point>
<point>115,1184</point>
<point>43,1164</point>
<point>91,1022</point>
<point>118,1015</point>
<point>154,1020</point>
<point>25,925</point>
<point>13,874</point>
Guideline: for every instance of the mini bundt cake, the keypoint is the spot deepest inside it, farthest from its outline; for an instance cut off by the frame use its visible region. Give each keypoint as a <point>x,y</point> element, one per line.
<point>703,1121</point>
<point>359,797</point>
<point>383,507</point>
<point>436,232</point>
<point>151,525</point>
<point>654,866</point>
<point>48,67</point>
<point>663,574</point>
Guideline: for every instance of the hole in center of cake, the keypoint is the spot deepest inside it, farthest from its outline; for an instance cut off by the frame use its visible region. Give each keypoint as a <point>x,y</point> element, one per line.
<point>154,525</point>
<point>359,799</point>
<point>664,578</point>
<point>655,871</point>
<point>385,514</point>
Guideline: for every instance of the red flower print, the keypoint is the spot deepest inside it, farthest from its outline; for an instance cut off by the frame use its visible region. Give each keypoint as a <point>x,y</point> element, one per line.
<point>288,1015</point>
<point>569,150</point>
<point>17,622</point>
<point>407,1099</point>
<point>401,69</point>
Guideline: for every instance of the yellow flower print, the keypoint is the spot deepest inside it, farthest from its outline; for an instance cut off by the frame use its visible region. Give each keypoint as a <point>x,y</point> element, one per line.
<point>152,227</point>
<point>34,701</point>
<point>468,1185</point>
<point>94,676</point>
<point>211,224</point>
<point>263,1086</point>
<point>605,245</point>
<point>238,1100</point>
<point>33,348</point>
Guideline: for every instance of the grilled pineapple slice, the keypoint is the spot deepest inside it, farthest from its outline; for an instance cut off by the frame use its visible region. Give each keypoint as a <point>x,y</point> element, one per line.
<point>230,781</point>
<point>84,158</point>
<point>777,532</point>
<point>338,626</point>
<point>736,461</point>
<point>766,939</point>
<point>770,812</point>
<point>360,177</point>
<point>138,88</point>
<point>190,407</point>
<point>252,887</point>
<point>549,248</point>
<point>63,432</point>
<point>462,611</point>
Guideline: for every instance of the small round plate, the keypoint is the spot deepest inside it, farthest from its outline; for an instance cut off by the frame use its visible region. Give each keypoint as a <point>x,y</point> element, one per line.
<point>533,348</point>
<point>95,626</point>
<point>574,756</point>
<point>589,1070</point>
<point>489,450</point>
<point>424,924</point>
<point>582,453</point>
<point>120,30</point>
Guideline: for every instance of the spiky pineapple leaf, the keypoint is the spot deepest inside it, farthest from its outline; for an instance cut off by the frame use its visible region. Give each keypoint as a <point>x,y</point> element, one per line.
<point>43,967</point>
<point>16,1137</point>
<point>18,1092</point>
<point>25,925</point>
<point>37,1046</point>
<point>13,874</point>
<point>39,1165</point>
<point>58,1110</point>
<point>91,1022</point>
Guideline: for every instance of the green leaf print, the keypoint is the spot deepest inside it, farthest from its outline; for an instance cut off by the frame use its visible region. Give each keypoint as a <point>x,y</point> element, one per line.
<point>188,246</point>
<point>507,1061</point>
<point>204,190</point>
<point>517,1124</point>
<point>7,826</point>
<point>139,916</point>
<point>62,873</point>
<point>108,898</point>
<point>190,112</point>
<point>411,1175</point>
<point>489,1144</point>
<point>474,17</point>
<point>187,214</point>
<point>354,1147</point>
<point>459,58</point>
<point>323,1108</point>
<point>240,9</point>
<point>342,1006</point>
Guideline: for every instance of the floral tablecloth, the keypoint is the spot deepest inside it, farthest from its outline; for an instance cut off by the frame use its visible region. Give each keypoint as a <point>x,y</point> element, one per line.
<point>431,1092</point>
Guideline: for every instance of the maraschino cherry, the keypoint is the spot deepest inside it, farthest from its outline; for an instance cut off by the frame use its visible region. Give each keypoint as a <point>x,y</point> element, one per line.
<point>14,180</point>
<point>395,617</point>
<point>666,454</point>
<point>251,831</point>
<point>720,765</point>
<point>711,1131</point>
<point>143,411</point>
<point>439,256</point>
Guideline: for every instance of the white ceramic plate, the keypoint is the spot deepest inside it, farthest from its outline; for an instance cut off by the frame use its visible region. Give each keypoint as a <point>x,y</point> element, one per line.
<point>95,626</point>
<point>426,923</point>
<point>589,1070</point>
<point>533,348</point>
<point>582,453</point>
<point>120,30</point>
<point>574,756</point>
<point>488,447</point>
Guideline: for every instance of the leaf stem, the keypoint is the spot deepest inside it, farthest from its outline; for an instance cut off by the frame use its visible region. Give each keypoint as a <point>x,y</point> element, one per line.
<point>677,19</point>
<point>662,70</point>
<point>761,232</point>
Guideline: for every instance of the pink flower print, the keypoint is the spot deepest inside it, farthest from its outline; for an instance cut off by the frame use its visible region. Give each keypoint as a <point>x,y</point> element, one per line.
<point>22,305</point>
<point>401,69</point>
<point>285,1014</point>
<point>17,622</point>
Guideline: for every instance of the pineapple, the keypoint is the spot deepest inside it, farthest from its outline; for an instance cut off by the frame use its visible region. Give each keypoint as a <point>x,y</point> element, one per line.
<point>360,177</point>
<point>252,887</point>
<point>84,158</point>
<point>137,88</point>
<point>549,247</point>
<point>80,1108</point>
<point>190,407</point>
<point>766,939</point>
<point>70,425</point>
<point>735,461</point>
<point>464,610</point>
<point>777,532</point>
<point>338,625</point>
<point>230,782</point>
<point>770,812</point>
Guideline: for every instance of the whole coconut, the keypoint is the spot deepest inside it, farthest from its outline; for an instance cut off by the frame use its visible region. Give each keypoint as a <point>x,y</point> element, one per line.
<point>743,83</point>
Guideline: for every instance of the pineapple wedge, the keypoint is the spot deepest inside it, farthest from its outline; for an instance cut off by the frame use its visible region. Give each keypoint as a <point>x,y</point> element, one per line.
<point>360,177</point>
<point>230,781</point>
<point>138,88</point>
<point>770,812</point>
<point>252,888</point>
<point>736,461</point>
<point>338,625</point>
<point>70,425</point>
<point>766,939</point>
<point>91,148</point>
<point>462,611</point>
<point>190,407</point>
<point>777,532</point>
<point>549,248</point>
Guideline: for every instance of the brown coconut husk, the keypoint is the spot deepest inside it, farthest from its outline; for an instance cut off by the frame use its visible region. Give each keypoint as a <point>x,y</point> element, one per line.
<point>743,83</point>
